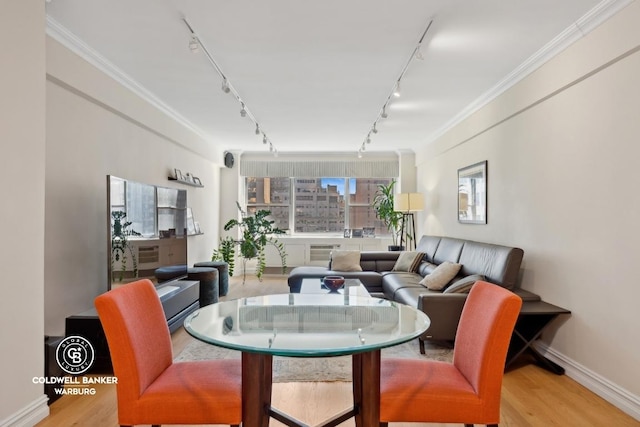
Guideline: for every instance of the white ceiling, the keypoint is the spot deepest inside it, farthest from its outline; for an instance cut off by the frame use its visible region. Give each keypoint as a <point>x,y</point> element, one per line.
<point>315,75</point>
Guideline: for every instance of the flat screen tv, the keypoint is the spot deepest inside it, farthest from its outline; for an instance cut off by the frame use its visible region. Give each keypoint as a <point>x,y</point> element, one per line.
<point>147,231</point>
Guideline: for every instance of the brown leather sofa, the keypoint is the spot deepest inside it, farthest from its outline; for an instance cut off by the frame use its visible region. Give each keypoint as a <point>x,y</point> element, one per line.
<point>498,264</point>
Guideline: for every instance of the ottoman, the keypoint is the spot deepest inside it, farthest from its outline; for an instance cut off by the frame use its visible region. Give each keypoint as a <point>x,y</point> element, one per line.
<point>170,272</point>
<point>223,273</point>
<point>208,278</point>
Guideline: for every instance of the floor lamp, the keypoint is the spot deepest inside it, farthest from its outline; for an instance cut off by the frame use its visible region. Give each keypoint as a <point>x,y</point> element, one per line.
<point>408,203</point>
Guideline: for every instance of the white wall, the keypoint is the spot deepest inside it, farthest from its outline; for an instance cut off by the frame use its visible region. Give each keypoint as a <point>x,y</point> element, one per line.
<point>22,135</point>
<point>95,128</point>
<point>562,149</point>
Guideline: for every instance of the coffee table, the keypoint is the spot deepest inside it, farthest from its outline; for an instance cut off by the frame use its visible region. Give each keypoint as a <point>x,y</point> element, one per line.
<point>351,287</point>
<point>307,325</point>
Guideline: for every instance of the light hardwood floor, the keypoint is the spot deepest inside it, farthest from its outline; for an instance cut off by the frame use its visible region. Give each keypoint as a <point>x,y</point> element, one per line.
<point>531,396</point>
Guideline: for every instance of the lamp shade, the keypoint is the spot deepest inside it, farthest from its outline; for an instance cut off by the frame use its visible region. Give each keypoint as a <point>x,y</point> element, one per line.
<point>408,202</point>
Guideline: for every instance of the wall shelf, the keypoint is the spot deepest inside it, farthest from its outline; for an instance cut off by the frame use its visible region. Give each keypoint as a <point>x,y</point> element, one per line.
<point>185,182</point>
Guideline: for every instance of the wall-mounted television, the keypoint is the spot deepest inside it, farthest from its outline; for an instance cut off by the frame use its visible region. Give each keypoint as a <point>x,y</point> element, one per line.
<point>147,230</point>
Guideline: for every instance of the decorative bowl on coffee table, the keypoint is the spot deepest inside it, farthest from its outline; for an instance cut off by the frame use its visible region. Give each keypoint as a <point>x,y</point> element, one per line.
<point>333,283</point>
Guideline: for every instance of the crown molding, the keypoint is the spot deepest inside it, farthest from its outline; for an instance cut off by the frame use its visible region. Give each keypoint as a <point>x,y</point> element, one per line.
<point>61,34</point>
<point>591,20</point>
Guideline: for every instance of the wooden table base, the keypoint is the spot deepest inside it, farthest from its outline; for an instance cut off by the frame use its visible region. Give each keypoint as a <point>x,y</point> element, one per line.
<point>257,380</point>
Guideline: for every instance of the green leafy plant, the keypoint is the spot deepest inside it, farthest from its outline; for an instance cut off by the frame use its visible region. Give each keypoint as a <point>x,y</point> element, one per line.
<point>256,232</point>
<point>120,234</point>
<point>383,205</point>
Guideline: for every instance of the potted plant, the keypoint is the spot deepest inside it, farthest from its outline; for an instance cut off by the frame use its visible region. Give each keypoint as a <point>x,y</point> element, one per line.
<point>120,233</point>
<point>256,232</point>
<point>383,205</point>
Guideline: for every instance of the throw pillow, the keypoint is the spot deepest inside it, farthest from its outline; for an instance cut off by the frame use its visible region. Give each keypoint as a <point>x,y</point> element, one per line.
<point>408,261</point>
<point>441,276</point>
<point>345,261</point>
<point>463,286</point>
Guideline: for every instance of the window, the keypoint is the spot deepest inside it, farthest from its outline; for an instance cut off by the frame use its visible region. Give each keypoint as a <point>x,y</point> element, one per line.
<point>272,194</point>
<point>317,205</point>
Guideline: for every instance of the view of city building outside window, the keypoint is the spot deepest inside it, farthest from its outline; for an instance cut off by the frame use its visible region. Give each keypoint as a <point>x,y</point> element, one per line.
<point>272,194</point>
<point>361,214</point>
<point>320,205</point>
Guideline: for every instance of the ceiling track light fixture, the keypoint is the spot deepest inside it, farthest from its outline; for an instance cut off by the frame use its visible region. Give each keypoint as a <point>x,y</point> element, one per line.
<point>225,86</point>
<point>195,45</point>
<point>395,91</point>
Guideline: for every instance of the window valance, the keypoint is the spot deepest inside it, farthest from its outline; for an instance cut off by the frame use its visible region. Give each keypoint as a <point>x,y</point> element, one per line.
<point>383,166</point>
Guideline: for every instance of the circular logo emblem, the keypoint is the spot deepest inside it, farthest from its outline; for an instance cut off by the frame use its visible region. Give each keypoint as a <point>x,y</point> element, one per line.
<point>75,355</point>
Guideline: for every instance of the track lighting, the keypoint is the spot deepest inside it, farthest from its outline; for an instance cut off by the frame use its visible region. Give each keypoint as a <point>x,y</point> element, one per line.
<point>225,86</point>
<point>194,45</point>
<point>395,92</point>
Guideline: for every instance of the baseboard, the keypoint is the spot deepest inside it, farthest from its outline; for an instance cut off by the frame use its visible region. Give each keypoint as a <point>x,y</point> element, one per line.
<point>30,415</point>
<point>612,393</point>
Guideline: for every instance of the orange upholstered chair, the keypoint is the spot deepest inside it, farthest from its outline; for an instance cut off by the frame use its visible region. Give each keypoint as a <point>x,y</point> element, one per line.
<point>151,388</point>
<point>466,391</point>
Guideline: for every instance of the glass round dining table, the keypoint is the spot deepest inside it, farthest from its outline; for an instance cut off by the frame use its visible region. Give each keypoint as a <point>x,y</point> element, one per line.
<point>307,325</point>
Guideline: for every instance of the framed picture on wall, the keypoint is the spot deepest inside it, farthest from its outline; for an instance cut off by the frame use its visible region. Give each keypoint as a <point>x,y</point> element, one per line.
<point>472,194</point>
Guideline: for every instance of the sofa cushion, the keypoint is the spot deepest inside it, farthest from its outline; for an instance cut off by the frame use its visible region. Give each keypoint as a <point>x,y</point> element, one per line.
<point>449,249</point>
<point>408,261</point>
<point>393,281</point>
<point>499,264</point>
<point>442,275</point>
<point>463,286</point>
<point>345,260</point>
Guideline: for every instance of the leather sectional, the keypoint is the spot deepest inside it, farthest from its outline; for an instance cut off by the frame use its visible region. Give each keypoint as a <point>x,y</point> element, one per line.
<point>498,264</point>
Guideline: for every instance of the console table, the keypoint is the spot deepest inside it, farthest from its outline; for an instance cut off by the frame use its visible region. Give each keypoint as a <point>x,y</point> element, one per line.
<point>534,318</point>
<point>179,299</point>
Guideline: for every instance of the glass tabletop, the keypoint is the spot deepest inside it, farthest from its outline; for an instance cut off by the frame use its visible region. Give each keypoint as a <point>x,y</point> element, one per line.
<point>306,325</point>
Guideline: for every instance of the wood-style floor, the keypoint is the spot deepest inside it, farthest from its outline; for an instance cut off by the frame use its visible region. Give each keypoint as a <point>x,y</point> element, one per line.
<point>531,396</point>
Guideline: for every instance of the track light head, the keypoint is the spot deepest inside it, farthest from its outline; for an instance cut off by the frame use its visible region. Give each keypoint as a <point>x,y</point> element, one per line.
<point>264,138</point>
<point>396,91</point>
<point>384,114</point>
<point>369,139</point>
<point>419,56</point>
<point>243,112</point>
<point>373,129</point>
<point>194,44</point>
<point>359,154</point>
<point>257,129</point>
<point>225,86</point>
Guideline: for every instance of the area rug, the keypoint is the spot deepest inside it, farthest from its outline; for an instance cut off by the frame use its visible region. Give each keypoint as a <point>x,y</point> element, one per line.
<point>294,369</point>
